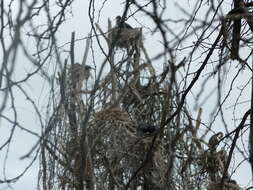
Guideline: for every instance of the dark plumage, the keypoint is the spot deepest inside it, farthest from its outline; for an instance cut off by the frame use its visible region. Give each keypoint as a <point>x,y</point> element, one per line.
<point>124,24</point>
<point>144,128</point>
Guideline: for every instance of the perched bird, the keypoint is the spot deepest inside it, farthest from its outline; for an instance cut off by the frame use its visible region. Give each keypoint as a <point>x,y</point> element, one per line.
<point>79,73</point>
<point>122,24</point>
<point>144,128</point>
<point>214,141</point>
<point>86,71</point>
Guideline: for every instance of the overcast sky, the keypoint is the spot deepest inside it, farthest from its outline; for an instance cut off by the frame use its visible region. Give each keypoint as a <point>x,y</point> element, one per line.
<point>38,87</point>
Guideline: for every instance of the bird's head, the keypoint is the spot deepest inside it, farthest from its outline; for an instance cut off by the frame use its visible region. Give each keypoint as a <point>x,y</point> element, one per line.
<point>118,19</point>
<point>88,67</point>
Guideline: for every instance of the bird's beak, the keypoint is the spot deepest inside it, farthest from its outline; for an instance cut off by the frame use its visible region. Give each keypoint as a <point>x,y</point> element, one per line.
<point>88,67</point>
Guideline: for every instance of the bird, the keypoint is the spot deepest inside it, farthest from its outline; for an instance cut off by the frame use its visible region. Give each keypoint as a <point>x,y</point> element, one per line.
<point>146,129</point>
<point>86,71</point>
<point>122,24</point>
<point>214,141</point>
<point>79,73</point>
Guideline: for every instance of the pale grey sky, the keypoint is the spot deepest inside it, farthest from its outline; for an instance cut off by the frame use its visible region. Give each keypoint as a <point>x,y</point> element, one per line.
<point>38,88</point>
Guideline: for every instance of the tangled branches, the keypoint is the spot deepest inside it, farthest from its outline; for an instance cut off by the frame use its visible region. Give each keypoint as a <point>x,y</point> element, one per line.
<point>124,116</point>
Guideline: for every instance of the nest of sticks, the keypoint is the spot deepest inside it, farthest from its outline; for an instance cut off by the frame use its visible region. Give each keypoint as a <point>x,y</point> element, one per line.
<point>125,38</point>
<point>122,149</point>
